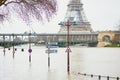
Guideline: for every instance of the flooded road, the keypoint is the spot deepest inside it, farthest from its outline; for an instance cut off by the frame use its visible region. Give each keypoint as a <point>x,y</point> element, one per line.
<point>96,61</point>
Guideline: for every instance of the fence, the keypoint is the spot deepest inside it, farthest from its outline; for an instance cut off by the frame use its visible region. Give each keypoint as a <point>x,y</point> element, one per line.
<point>99,76</point>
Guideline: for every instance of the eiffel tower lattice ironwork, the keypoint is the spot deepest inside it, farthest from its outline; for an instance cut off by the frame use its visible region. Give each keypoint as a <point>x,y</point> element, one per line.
<point>75,15</point>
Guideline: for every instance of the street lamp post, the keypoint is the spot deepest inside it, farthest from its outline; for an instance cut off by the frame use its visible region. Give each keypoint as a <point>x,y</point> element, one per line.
<point>68,24</point>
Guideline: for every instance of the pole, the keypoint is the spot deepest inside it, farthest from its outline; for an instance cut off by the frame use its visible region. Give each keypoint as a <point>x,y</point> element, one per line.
<point>68,56</point>
<point>4,44</point>
<point>13,47</point>
<point>48,45</point>
<point>30,50</point>
<point>30,57</point>
<point>48,57</point>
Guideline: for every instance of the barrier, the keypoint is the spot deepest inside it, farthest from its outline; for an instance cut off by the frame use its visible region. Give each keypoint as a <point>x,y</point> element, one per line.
<point>99,76</point>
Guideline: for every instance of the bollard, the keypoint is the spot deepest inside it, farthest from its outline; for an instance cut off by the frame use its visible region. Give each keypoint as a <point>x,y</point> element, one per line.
<point>15,49</point>
<point>84,74</point>
<point>107,77</point>
<point>117,78</point>
<point>91,75</point>
<point>8,48</point>
<point>99,77</point>
<point>78,72</point>
<point>22,50</point>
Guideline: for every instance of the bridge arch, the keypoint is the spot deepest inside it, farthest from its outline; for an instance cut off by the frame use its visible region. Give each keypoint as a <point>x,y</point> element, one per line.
<point>104,38</point>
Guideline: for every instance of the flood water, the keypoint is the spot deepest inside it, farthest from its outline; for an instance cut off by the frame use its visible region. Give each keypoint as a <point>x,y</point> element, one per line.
<point>96,61</point>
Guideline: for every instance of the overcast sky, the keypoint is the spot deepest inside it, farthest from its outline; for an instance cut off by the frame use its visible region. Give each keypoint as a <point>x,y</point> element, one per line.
<point>102,14</point>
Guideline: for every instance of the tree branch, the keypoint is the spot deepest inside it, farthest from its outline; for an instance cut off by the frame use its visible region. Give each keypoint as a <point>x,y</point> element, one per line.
<point>2,2</point>
<point>13,2</point>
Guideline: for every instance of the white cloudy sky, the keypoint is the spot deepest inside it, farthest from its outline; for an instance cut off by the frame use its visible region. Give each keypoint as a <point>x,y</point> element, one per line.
<point>102,14</point>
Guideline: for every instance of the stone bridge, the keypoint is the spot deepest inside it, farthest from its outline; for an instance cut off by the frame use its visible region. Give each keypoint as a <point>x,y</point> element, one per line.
<point>104,37</point>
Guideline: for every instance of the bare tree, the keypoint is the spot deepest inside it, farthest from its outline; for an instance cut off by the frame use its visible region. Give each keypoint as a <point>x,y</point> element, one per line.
<point>28,9</point>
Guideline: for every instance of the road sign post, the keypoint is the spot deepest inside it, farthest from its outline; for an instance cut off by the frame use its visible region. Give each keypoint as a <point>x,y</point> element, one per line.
<point>4,44</point>
<point>13,47</point>
<point>30,49</point>
<point>51,49</point>
<point>48,57</point>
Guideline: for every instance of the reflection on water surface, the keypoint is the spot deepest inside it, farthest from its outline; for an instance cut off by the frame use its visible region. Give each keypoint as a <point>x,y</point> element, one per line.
<point>98,61</point>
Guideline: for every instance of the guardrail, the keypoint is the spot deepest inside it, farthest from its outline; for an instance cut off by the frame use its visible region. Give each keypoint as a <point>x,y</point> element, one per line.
<point>99,76</point>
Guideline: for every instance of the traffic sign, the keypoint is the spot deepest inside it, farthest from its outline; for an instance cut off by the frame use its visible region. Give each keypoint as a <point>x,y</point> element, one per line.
<point>51,51</point>
<point>68,50</point>
<point>29,50</point>
<point>50,46</point>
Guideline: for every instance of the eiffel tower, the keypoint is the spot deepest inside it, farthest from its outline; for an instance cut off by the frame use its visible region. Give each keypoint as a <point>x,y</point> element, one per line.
<point>75,14</point>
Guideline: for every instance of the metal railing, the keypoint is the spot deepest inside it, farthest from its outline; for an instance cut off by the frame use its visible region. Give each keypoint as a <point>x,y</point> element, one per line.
<point>99,76</point>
